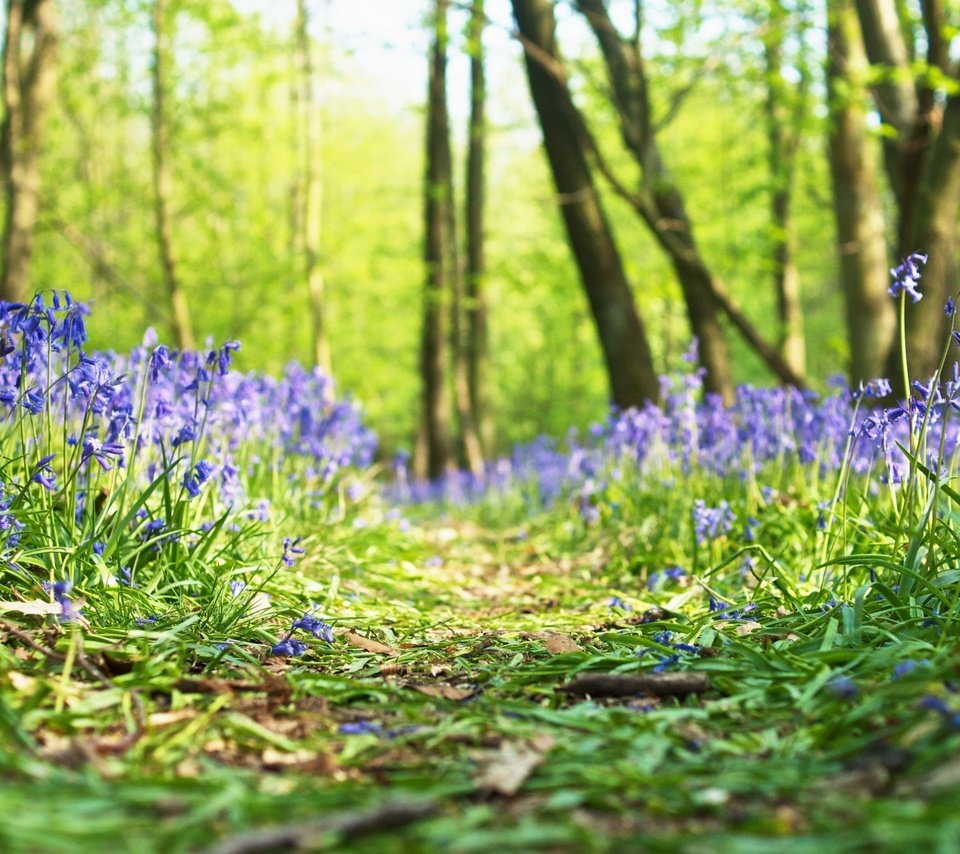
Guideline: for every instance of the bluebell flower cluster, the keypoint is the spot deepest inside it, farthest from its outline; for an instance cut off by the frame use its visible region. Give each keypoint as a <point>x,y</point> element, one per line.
<point>906,277</point>
<point>183,419</point>
<point>291,647</point>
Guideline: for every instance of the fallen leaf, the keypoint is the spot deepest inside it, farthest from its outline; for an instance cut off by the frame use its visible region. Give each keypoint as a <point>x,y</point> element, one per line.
<point>21,682</point>
<point>557,644</point>
<point>281,758</point>
<point>161,719</point>
<point>37,607</point>
<point>369,645</point>
<point>508,769</point>
<point>445,692</point>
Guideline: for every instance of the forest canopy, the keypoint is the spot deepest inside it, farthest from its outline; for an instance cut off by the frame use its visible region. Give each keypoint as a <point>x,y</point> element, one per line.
<point>233,158</point>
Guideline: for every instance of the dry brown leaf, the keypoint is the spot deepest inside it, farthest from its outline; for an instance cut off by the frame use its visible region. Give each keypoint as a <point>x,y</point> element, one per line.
<point>21,682</point>
<point>282,758</point>
<point>554,642</point>
<point>557,644</point>
<point>161,719</point>
<point>38,607</point>
<point>368,644</point>
<point>445,692</point>
<point>508,769</point>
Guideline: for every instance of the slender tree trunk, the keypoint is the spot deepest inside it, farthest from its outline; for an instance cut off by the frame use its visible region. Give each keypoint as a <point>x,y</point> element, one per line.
<point>783,136</point>
<point>469,439</point>
<point>434,454</point>
<point>29,81</point>
<point>477,338</point>
<point>311,128</point>
<point>857,202</point>
<point>671,224</point>
<point>623,338</point>
<point>162,183</point>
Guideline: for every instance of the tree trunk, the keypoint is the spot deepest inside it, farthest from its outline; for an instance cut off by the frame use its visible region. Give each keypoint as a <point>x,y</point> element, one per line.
<point>922,159</point>
<point>857,202</point>
<point>162,183</point>
<point>933,230</point>
<point>784,129</point>
<point>624,63</point>
<point>310,219</point>
<point>433,453</point>
<point>477,337</point>
<point>29,82</point>
<point>623,339</point>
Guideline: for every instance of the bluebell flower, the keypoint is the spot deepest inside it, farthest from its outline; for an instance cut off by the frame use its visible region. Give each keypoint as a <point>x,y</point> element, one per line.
<point>360,728</point>
<point>908,666</point>
<point>291,550</point>
<point>33,401</point>
<point>289,648</point>
<point>317,627</point>
<point>60,589</point>
<point>617,602</point>
<point>906,277</point>
<point>43,474</point>
<point>237,587</point>
<point>709,523</point>
<point>159,362</point>
<point>101,452</point>
<point>951,307</point>
<point>842,687</point>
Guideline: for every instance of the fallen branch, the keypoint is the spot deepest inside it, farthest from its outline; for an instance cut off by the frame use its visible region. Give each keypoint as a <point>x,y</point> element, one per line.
<point>650,684</point>
<point>290,837</point>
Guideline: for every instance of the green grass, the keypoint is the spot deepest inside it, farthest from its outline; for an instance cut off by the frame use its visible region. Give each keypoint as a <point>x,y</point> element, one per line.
<point>159,741</point>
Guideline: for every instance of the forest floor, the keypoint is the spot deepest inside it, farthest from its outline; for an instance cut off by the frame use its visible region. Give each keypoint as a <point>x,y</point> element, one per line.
<point>458,708</point>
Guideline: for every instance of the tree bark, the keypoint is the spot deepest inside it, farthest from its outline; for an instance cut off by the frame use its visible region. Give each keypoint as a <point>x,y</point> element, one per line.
<point>29,82</point>
<point>623,338</point>
<point>162,183</point>
<point>858,207</point>
<point>784,131</point>
<point>625,69</point>
<point>310,219</point>
<point>477,335</point>
<point>434,455</point>
<point>922,160</point>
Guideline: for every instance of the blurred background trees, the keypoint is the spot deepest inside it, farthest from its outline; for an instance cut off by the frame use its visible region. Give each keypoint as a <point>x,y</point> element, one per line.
<point>746,170</point>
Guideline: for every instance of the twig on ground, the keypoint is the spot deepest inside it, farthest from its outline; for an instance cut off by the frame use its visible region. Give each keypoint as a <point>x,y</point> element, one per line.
<point>624,685</point>
<point>290,837</point>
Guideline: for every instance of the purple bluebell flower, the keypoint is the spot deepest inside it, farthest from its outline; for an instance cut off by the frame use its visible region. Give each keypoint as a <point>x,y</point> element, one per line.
<point>237,587</point>
<point>617,602</point>
<point>951,307</point>
<point>908,666</point>
<point>842,687</point>
<point>317,627</point>
<point>44,475</point>
<point>33,401</point>
<point>360,728</point>
<point>101,452</point>
<point>710,523</point>
<point>906,277</point>
<point>159,362</point>
<point>289,648</point>
<point>291,550</point>
<point>59,590</point>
